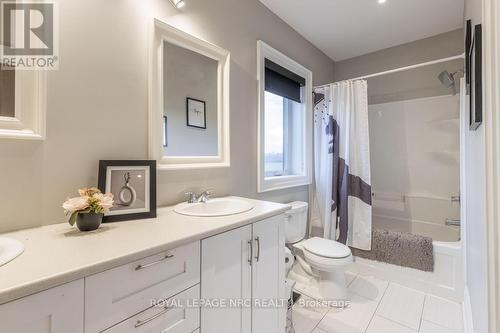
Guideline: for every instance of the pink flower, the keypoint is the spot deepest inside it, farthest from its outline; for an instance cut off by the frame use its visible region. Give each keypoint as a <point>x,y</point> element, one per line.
<point>105,200</point>
<point>75,204</point>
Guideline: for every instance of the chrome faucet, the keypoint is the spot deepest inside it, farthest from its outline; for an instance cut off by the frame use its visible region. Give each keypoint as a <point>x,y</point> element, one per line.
<point>202,197</point>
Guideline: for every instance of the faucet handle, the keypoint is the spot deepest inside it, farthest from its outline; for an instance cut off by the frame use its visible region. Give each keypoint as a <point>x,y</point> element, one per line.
<point>191,197</point>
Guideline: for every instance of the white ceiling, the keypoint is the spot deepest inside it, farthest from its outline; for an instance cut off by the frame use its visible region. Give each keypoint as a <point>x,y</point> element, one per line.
<point>348,28</point>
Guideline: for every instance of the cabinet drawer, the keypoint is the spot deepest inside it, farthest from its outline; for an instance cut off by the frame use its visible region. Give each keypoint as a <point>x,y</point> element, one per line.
<point>124,291</point>
<point>172,318</point>
<point>56,310</point>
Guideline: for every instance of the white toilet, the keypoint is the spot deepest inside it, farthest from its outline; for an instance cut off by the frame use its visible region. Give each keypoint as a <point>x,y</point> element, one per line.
<point>320,263</point>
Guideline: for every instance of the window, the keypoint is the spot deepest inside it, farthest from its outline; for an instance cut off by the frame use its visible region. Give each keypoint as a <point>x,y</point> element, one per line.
<point>285,111</point>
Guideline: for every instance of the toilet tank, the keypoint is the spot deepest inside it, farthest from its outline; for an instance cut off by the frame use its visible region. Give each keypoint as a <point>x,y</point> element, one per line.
<point>296,222</point>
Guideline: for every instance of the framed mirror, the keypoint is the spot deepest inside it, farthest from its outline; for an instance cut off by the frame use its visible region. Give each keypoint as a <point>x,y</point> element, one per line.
<point>22,103</point>
<point>189,101</point>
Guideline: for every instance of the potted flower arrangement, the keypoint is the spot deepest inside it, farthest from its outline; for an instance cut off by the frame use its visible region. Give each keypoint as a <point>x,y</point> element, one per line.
<point>88,209</point>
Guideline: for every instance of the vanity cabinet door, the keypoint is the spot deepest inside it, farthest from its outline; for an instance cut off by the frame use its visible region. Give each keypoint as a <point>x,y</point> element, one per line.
<point>226,275</point>
<point>56,310</point>
<point>268,276</point>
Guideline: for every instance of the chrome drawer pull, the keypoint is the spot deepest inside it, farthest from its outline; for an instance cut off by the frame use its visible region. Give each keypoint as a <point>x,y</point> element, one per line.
<point>257,256</point>
<point>140,266</point>
<point>145,321</point>
<point>250,252</point>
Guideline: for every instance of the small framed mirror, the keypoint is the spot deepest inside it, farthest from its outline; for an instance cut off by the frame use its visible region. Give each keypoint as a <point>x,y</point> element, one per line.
<point>22,103</point>
<point>189,101</point>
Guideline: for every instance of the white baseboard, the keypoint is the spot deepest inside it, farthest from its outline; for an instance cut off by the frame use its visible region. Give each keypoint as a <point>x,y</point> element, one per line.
<point>467,312</point>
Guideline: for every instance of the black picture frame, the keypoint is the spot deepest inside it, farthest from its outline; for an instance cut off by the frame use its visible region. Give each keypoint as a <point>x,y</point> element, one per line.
<point>103,181</point>
<point>165,131</point>
<point>475,78</point>
<point>188,122</point>
<point>468,42</point>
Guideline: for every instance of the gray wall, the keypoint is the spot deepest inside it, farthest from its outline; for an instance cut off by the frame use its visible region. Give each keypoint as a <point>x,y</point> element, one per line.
<point>476,239</point>
<point>189,74</point>
<point>410,84</point>
<point>97,102</point>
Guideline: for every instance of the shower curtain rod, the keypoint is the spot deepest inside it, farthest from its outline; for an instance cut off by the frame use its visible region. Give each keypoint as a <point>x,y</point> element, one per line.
<point>401,69</point>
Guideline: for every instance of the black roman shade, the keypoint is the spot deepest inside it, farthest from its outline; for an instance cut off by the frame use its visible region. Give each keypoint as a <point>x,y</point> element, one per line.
<point>282,82</point>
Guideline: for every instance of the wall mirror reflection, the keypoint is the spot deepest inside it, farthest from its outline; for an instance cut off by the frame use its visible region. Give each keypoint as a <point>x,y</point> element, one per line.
<point>7,92</point>
<point>189,115</point>
<point>189,102</point>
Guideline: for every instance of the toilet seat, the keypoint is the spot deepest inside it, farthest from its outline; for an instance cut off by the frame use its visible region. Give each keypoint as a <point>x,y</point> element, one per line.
<point>326,248</point>
<point>325,254</point>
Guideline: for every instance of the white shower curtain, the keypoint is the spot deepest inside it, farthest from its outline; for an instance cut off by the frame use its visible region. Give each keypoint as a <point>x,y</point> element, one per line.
<point>342,162</point>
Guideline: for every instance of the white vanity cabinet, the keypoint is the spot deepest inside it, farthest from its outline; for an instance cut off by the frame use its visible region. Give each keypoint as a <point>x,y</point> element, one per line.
<point>231,282</point>
<point>244,264</point>
<point>56,310</point>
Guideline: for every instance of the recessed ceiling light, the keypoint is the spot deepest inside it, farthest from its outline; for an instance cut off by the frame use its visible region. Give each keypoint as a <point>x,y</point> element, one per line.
<point>178,3</point>
<point>381,1</point>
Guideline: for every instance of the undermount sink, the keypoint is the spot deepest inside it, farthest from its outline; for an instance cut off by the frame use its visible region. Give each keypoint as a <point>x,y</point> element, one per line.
<point>9,249</point>
<point>214,207</point>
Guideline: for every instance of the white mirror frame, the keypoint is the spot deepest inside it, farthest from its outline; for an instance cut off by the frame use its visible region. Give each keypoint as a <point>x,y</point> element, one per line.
<point>163,32</point>
<point>28,122</point>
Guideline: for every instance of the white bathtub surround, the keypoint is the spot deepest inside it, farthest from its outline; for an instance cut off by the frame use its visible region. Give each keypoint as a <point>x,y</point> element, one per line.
<point>342,160</point>
<point>421,139</point>
<point>437,231</point>
<point>378,306</point>
<point>57,254</point>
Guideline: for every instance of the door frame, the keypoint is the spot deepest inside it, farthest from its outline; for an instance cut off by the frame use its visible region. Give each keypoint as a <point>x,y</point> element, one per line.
<point>491,74</point>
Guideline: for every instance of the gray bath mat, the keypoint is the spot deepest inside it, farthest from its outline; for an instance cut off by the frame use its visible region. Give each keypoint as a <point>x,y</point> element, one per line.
<point>400,248</point>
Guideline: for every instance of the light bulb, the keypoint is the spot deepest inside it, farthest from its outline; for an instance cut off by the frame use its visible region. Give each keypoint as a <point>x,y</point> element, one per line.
<point>178,3</point>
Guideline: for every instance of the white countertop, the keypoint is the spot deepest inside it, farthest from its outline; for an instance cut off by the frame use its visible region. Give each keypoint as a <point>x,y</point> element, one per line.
<point>59,253</point>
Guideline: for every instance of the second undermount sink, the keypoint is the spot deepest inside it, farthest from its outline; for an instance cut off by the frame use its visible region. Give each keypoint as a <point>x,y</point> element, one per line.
<point>9,249</point>
<point>214,207</point>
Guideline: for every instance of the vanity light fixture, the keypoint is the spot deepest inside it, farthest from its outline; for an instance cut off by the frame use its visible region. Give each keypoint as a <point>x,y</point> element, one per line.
<point>381,1</point>
<point>178,3</point>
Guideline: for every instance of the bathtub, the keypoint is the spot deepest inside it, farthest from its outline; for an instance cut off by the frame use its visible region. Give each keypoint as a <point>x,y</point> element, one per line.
<point>447,278</point>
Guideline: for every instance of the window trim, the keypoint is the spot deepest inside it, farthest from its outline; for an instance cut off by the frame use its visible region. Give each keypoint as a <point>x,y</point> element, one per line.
<point>266,184</point>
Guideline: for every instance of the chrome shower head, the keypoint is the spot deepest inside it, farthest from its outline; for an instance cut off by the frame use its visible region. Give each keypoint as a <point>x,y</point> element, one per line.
<point>447,79</point>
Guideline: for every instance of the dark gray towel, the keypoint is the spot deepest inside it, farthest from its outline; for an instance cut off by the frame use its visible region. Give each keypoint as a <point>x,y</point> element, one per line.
<point>400,248</point>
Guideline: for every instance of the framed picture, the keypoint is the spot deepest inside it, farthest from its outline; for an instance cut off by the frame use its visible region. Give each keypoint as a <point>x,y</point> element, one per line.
<point>468,41</point>
<point>133,185</point>
<point>196,113</point>
<point>475,78</point>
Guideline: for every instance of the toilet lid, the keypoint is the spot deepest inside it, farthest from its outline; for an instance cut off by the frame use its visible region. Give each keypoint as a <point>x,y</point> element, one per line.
<point>326,248</point>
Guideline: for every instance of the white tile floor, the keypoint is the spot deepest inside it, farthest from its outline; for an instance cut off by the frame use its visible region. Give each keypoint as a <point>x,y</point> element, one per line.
<point>381,307</point>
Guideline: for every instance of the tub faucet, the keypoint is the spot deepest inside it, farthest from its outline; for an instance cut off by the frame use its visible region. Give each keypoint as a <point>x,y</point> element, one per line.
<point>453,222</point>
